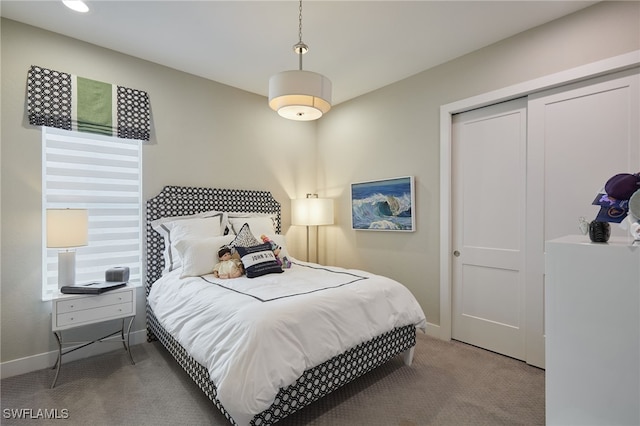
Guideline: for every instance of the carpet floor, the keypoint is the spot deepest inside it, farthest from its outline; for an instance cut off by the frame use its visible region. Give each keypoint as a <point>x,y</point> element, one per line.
<point>449,383</point>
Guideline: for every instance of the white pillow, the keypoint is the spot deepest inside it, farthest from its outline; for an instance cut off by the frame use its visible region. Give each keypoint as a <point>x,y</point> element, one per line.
<point>198,226</point>
<point>199,256</point>
<point>263,224</point>
<point>156,223</point>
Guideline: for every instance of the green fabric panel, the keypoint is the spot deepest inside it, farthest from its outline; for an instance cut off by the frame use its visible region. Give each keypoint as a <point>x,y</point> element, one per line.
<point>94,107</point>
<point>66,101</point>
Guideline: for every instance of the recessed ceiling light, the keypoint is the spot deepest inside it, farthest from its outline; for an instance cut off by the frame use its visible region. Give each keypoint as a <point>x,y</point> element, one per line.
<point>77,5</point>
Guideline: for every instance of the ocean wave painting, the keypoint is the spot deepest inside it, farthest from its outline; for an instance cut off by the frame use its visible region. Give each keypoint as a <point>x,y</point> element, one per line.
<point>383,205</point>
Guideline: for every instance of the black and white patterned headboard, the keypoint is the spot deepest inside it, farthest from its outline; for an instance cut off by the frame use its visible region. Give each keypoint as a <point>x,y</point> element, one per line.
<point>182,201</point>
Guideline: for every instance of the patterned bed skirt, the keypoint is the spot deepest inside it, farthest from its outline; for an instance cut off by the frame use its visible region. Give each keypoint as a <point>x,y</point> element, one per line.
<point>312,385</point>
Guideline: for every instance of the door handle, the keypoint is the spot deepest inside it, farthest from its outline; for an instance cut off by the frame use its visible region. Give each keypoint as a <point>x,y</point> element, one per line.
<point>456,253</point>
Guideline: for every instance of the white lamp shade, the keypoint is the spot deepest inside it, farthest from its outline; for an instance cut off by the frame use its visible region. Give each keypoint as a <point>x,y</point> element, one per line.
<point>300,95</point>
<point>312,211</point>
<point>67,228</point>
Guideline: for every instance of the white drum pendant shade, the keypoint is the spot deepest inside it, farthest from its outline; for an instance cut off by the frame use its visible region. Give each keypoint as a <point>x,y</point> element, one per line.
<point>300,95</point>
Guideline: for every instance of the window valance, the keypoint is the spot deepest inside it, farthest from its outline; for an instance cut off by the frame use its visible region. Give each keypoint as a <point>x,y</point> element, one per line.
<point>65,101</point>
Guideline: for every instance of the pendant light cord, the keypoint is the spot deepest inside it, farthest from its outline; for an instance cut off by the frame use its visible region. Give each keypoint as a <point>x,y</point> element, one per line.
<point>300,23</point>
<point>300,48</point>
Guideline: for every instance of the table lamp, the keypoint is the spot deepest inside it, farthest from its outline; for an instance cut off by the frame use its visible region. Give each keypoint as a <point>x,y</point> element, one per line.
<point>67,229</point>
<point>312,211</point>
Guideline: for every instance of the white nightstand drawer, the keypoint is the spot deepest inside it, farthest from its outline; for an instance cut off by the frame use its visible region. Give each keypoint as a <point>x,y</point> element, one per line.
<point>92,302</point>
<point>103,313</point>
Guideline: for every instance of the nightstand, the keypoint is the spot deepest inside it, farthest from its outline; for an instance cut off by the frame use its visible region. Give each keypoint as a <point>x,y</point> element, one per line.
<point>76,310</point>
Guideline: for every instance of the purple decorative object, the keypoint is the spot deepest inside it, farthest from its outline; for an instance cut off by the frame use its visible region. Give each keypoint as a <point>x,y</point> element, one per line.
<point>622,186</point>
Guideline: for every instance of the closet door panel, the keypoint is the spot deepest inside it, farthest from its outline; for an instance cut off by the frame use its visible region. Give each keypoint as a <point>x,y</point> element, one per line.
<point>579,136</point>
<point>587,133</point>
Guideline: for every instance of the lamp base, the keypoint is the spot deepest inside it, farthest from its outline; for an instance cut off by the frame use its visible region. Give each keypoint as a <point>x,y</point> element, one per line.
<point>66,268</point>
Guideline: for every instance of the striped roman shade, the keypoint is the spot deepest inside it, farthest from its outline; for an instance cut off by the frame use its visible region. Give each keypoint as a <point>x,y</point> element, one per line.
<point>104,176</point>
<point>65,101</point>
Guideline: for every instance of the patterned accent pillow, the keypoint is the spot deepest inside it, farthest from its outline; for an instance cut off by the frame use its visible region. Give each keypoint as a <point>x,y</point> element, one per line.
<point>259,260</point>
<point>245,238</point>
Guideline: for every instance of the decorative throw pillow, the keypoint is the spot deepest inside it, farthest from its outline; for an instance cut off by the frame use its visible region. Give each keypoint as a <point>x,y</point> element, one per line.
<point>259,260</point>
<point>245,238</point>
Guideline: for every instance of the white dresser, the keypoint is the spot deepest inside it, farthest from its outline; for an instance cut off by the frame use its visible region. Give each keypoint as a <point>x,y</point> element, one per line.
<point>592,326</point>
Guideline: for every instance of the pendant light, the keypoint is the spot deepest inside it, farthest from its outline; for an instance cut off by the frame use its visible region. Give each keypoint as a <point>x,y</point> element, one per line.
<point>300,95</point>
<point>76,5</point>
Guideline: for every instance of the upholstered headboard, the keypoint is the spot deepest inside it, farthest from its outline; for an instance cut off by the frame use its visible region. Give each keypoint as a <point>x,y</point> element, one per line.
<point>182,201</point>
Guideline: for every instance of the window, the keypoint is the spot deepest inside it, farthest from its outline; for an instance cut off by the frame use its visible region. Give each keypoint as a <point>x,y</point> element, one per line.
<point>102,174</point>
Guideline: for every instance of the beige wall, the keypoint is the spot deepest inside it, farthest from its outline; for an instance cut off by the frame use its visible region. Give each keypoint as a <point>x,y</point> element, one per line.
<point>395,131</point>
<point>204,134</point>
<point>201,137</point>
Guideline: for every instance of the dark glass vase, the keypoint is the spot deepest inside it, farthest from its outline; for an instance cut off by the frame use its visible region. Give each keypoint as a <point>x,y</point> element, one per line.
<point>599,232</point>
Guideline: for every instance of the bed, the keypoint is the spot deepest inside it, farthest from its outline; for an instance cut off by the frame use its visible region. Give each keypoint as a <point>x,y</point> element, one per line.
<point>183,302</point>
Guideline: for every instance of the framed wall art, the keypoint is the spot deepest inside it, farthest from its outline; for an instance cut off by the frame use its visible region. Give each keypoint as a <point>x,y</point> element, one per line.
<point>383,205</point>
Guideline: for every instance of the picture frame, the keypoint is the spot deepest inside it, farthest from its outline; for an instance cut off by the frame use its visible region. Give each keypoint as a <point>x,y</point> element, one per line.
<point>384,205</point>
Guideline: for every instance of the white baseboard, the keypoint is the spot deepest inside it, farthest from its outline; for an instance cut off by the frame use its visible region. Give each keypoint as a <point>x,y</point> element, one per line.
<point>433,330</point>
<point>47,360</point>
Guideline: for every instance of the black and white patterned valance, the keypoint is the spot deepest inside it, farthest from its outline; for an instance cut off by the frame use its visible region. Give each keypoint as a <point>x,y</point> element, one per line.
<point>66,101</point>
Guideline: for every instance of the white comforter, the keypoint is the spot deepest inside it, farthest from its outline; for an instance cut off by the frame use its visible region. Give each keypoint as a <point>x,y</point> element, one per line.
<point>258,335</point>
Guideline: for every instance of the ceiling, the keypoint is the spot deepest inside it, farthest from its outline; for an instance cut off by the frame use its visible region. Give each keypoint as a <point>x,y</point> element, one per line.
<point>359,45</point>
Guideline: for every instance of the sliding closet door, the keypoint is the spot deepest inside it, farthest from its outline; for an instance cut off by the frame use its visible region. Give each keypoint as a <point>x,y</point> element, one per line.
<point>489,179</point>
<point>584,134</point>
<point>511,193</point>
<point>579,136</point>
